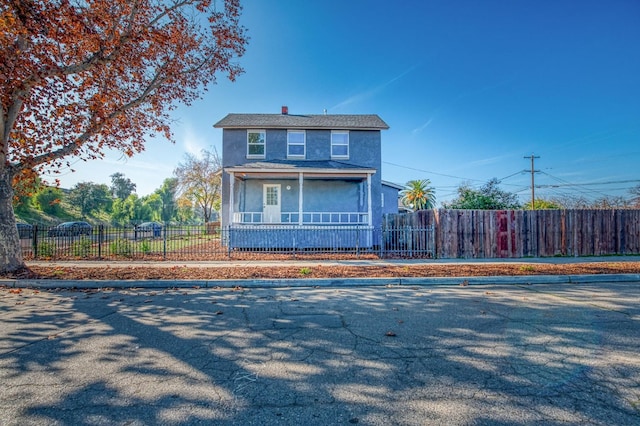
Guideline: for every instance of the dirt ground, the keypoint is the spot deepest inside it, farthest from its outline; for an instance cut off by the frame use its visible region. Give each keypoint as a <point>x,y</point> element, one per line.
<point>112,271</point>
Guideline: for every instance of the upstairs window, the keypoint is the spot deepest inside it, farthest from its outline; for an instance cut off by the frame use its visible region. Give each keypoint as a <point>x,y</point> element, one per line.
<point>295,144</point>
<point>340,144</point>
<point>256,143</point>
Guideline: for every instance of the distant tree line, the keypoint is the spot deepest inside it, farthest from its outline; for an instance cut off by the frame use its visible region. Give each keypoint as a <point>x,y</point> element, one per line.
<point>420,195</point>
<point>192,195</point>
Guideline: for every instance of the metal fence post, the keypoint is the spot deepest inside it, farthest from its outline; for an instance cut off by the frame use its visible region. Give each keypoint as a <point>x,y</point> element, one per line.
<point>100,236</point>
<point>164,243</point>
<point>432,241</point>
<point>34,241</point>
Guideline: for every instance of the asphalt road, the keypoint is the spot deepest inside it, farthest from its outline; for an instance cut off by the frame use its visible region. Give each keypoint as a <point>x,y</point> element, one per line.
<point>457,355</point>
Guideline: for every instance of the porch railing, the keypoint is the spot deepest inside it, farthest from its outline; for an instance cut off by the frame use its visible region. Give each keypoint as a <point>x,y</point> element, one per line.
<point>308,218</point>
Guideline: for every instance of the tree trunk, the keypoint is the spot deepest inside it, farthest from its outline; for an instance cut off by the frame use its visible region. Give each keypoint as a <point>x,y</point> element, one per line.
<point>10,252</point>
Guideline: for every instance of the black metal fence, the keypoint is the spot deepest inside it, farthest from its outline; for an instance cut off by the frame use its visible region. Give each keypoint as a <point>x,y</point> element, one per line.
<point>211,242</point>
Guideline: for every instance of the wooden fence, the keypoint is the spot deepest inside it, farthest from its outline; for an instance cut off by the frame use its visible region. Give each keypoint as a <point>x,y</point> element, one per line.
<point>527,233</point>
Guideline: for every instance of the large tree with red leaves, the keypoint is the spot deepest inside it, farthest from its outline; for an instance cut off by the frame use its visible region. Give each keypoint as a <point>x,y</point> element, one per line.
<point>79,76</point>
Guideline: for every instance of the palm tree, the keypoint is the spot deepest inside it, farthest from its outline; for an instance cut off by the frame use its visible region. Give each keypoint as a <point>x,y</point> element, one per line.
<point>419,195</point>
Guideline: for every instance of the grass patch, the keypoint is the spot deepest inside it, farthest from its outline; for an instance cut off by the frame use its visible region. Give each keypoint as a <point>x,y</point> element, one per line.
<point>305,271</point>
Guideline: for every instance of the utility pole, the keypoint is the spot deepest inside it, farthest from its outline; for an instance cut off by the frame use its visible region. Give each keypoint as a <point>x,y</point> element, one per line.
<point>533,186</point>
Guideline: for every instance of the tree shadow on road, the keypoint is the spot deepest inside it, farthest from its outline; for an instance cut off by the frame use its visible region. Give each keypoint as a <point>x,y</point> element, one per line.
<point>459,355</point>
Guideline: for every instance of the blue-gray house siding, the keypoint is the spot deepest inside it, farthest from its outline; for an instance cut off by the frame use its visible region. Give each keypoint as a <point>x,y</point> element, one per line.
<point>316,190</point>
<point>390,195</point>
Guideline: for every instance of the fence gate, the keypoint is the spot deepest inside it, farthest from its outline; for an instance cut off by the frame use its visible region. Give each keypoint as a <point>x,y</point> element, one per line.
<point>408,236</point>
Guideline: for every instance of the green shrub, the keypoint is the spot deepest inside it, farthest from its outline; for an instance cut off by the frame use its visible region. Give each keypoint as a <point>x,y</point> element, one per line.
<point>46,248</point>
<point>120,247</point>
<point>145,247</point>
<point>82,247</point>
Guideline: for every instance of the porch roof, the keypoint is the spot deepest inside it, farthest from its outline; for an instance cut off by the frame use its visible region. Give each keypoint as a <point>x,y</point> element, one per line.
<point>294,167</point>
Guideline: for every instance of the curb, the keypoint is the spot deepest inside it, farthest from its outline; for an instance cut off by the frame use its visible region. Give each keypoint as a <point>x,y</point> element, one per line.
<point>323,282</point>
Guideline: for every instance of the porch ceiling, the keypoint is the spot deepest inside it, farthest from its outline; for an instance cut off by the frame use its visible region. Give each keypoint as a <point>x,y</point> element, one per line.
<point>294,176</point>
<point>292,169</point>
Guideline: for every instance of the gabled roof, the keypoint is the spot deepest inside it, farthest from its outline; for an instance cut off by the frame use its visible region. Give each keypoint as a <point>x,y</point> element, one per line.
<point>290,121</point>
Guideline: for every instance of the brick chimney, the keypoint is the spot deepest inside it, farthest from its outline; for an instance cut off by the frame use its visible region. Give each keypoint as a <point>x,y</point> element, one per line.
<point>285,110</point>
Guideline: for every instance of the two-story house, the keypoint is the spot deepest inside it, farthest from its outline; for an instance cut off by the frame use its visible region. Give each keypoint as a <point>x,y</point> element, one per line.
<point>284,174</point>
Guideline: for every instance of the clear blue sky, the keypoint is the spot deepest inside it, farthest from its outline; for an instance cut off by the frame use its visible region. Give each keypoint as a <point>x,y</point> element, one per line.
<point>468,88</point>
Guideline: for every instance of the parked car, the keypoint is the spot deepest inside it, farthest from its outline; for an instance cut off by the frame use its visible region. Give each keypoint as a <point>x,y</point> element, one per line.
<point>154,228</point>
<point>68,229</point>
<point>25,230</point>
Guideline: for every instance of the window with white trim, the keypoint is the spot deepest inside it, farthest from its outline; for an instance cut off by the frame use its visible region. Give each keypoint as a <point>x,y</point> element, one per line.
<point>296,144</point>
<point>340,144</point>
<point>256,143</point>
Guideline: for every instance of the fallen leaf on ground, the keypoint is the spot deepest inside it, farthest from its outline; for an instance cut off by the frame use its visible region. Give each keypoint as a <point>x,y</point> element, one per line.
<point>111,271</point>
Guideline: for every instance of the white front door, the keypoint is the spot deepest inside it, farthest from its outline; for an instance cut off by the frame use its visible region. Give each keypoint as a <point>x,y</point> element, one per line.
<point>271,203</point>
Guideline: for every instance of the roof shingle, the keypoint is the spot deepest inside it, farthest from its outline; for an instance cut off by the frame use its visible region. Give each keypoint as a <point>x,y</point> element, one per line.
<point>290,121</point>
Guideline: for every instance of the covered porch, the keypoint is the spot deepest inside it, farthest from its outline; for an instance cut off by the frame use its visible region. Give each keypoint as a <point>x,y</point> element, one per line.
<point>300,204</point>
<point>300,194</point>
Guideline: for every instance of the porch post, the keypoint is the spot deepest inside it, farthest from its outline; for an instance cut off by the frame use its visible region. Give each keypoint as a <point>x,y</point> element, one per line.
<point>232,178</point>
<point>300,188</point>
<point>369,218</point>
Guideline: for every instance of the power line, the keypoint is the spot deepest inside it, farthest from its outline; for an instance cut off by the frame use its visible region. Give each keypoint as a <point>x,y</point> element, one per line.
<point>480,181</point>
<point>512,175</point>
<point>611,182</point>
<point>579,187</point>
<point>428,171</point>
